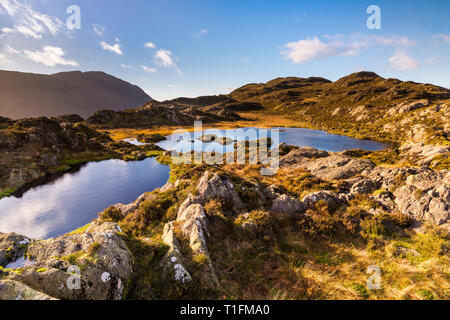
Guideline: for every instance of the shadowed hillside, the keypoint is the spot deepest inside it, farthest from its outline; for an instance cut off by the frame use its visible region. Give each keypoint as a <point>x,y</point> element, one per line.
<point>30,95</point>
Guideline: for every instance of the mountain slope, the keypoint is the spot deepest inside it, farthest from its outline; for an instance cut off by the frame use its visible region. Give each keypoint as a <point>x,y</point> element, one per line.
<point>29,95</point>
<point>362,105</point>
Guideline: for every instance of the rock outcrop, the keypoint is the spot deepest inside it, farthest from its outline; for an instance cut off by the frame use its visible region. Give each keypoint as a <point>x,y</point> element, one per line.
<point>94,265</point>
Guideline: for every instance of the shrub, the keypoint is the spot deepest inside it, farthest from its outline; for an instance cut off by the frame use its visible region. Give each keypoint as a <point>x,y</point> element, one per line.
<point>112,214</point>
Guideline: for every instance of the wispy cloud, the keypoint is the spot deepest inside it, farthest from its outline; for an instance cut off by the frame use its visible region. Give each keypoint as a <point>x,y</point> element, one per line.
<point>113,48</point>
<point>150,45</point>
<point>442,38</point>
<point>403,62</point>
<point>50,56</point>
<point>164,58</point>
<point>148,69</point>
<point>99,29</point>
<point>28,21</point>
<point>200,34</point>
<point>339,45</point>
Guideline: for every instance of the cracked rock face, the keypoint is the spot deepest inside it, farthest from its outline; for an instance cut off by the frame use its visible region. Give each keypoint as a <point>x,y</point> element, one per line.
<point>212,186</point>
<point>12,290</point>
<point>426,196</point>
<point>92,265</point>
<point>11,247</point>
<point>287,205</point>
<point>174,259</point>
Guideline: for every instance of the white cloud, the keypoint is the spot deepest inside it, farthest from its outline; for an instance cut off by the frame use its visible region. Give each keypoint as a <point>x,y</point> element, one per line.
<point>164,58</point>
<point>150,45</point>
<point>113,48</point>
<point>339,45</point>
<point>403,62</point>
<point>149,70</point>
<point>50,56</point>
<point>442,38</point>
<point>29,22</point>
<point>11,8</point>
<point>4,59</point>
<point>12,50</point>
<point>99,29</point>
<point>199,34</point>
<point>126,66</point>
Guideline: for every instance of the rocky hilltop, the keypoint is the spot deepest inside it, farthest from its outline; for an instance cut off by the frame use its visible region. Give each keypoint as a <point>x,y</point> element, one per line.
<point>363,105</point>
<point>155,114</point>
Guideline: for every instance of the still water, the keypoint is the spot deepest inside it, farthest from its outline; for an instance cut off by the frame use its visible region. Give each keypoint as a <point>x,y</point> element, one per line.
<point>293,136</point>
<point>74,199</point>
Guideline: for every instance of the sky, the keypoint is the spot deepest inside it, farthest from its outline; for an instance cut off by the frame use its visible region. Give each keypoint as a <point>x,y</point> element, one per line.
<point>173,48</point>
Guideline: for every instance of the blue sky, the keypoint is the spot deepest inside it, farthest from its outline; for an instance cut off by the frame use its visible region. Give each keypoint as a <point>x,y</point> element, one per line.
<point>190,48</point>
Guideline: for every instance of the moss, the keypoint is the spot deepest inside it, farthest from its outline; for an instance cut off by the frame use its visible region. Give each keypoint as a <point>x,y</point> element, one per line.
<point>380,192</point>
<point>93,249</point>
<point>73,258</point>
<point>387,156</point>
<point>7,193</point>
<point>361,290</point>
<point>40,270</point>
<point>80,230</point>
<point>426,294</point>
<point>441,162</point>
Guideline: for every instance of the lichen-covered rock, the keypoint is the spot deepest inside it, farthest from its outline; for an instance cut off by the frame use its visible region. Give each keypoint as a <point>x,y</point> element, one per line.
<point>97,263</point>
<point>12,247</point>
<point>13,290</point>
<point>126,209</point>
<point>301,157</point>
<point>287,206</point>
<point>193,224</point>
<point>173,259</point>
<point>426,195</point>
<point>338,167</point>
<point>363,186</point>
<point>211,186</point>
<point>330,198</point>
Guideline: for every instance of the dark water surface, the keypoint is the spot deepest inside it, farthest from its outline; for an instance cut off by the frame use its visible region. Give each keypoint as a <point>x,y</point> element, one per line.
<point>75,199</point>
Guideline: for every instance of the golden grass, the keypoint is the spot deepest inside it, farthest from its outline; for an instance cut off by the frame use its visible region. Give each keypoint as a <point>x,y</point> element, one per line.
<point>253,120</point>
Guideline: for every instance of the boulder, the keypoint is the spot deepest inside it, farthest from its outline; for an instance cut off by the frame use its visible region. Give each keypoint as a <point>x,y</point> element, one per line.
<point>173,259</point>
<point>425,195</point>
<point>287,206</point>
<point>363,186</point>
<point>193,224</point>
<point>338,167</point>
<point>13,290</point>
<point>300,157</point>
<point>211,186</point>
<point>332,199</point>
<point>12,247</point>
<point>98,261</point>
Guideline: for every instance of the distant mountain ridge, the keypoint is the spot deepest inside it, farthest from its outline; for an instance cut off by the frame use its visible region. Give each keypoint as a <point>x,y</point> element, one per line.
<point>29,95</point>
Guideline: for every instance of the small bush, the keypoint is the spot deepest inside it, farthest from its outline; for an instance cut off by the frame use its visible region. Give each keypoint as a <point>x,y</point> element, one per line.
<point>112,214</point>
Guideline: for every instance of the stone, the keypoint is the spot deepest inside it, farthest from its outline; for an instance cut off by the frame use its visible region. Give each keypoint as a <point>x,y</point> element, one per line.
<point>287,206</point>
<point>13,290</point>
<point>98,251</point>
